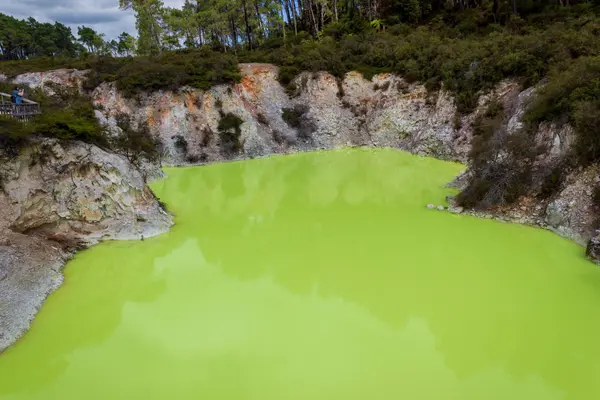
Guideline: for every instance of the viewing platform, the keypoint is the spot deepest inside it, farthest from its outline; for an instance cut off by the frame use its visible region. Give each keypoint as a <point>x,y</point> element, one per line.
<point>24,111</point>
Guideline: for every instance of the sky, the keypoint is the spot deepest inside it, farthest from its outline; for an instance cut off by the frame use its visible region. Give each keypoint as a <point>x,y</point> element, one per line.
<point>103,16</point>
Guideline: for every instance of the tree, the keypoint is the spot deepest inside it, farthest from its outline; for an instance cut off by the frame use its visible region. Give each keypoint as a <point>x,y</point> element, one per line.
<point>148,17</point>
<point>92,40</point>
<point>22,39</point>
<point>126,44</point>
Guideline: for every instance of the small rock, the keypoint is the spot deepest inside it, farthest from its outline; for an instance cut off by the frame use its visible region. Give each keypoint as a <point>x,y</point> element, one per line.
<point>592,251</point>
<point>456,210</point>
<point>430,206</point>
<point>441,208</point>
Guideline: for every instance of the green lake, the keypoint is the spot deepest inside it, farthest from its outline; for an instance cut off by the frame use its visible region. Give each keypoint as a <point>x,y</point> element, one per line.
<point>318,276</point>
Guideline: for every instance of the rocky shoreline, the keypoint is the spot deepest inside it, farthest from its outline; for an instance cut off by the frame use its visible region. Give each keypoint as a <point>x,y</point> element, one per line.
<point>55,200</point>
<point>79,194</point>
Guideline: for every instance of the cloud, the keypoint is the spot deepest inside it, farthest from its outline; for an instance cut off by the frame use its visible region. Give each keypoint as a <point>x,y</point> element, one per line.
<point>102,15</point>
<point>86,17</point>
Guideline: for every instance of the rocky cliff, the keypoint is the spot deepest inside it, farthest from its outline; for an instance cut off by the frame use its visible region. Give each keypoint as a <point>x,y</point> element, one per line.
<point>57,198</point>
<point>322,113</point>
<point>84,194</point>
<point>327,112</point>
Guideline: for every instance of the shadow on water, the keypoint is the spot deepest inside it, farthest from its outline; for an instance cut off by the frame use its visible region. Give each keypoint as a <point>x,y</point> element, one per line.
<point>342,235</point>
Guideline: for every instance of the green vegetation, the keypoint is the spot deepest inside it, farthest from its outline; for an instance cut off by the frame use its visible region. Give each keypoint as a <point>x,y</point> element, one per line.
<point>293,116</point>
<point>69,115</point>
<point>199,68</point>
<point>573,96</point>
<point>180,143</point>
<point>296,118</point>
<point>499,162</point>
<point>465,47</point>
<point>504,166</point>
<point>230,132</point>
<point>27,39</point>
<point>136,143</point>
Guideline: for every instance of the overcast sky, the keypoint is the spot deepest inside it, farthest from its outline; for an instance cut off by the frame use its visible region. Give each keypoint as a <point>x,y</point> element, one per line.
<point>102,15</point>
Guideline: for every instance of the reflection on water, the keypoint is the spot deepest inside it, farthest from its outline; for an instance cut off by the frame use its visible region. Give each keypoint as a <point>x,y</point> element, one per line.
<point>317,276</point>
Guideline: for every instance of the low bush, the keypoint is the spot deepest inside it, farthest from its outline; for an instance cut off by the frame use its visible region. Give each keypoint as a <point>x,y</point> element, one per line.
<point>68,115</point>
<point>180,143</point>
<point>230,133</point>
<point>293,116</point>
<point>136,143</point>
<point>500,163</point>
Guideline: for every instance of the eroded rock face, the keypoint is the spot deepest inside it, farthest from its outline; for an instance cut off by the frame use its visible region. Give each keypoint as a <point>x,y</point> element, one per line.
<point>57,198</point>
<point>385,111</point>
<point>592,251</point>
<point>80,192</point>
<point>45,80</point>
<point>571,213</point>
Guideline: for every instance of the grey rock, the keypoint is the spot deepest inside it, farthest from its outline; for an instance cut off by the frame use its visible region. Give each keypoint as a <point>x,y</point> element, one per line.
<point>592,251</point>
<point>79,196</point>
<point>456,210</point>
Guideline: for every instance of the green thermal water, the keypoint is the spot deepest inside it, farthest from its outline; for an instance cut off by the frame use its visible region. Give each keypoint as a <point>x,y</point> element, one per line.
<point>318,276</point>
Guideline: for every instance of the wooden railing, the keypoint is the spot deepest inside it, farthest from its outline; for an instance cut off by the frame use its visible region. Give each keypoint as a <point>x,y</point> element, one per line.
<point>25,111</point>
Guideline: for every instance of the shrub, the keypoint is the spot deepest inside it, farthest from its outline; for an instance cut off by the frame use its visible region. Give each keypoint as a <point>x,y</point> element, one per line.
<point>296,118</point>
<point>136,143</point>
<point>180,143</point>
<point>500,164</point>
<point>340,85</point>
<point>293,116</point>
<point>551,182</point>
<point>67,115</point>
<point>230,132</point>
<point>207,135</point>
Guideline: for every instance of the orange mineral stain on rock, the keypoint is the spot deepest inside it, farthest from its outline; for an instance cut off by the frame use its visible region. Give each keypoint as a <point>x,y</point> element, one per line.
<point>250,85</point>
<point>150,117</point>
<point>190,102</point>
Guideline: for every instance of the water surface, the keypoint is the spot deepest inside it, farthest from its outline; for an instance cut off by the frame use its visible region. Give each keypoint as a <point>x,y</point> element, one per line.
<point>318,276</point>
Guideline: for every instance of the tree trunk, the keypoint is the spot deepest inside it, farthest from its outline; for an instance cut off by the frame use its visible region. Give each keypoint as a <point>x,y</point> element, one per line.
<point>234,37</point>
<point>495,10</point>
<point>259,19</point>
<point>282,19</point>
<point>313,20</point>
<point>335,10</point>
<point>295,16</point>
<point>322,15</point>
<point>248,28</point>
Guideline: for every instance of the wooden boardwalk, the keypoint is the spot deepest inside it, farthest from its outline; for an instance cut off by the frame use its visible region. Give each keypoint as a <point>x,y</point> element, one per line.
<point>23,112</point>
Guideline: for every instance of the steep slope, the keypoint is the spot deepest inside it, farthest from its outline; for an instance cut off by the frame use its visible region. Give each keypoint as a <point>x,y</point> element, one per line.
<point>56,199</point>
